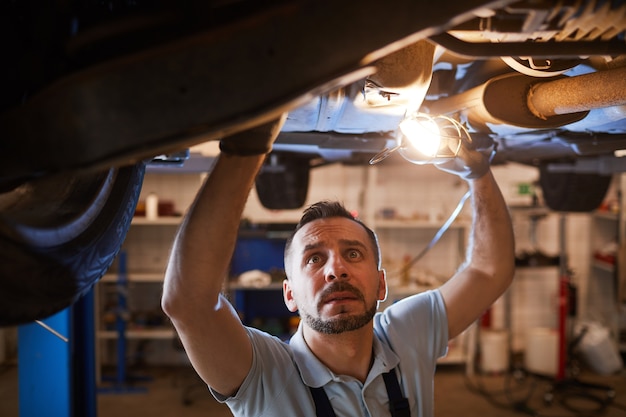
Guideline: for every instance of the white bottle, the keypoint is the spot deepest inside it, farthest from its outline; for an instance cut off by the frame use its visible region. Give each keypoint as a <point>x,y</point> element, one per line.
<point>152,206</point>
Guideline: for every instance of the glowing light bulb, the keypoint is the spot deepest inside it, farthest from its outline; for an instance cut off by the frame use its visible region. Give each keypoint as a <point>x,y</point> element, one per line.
<point>423,135</point>
<point>425,139</point>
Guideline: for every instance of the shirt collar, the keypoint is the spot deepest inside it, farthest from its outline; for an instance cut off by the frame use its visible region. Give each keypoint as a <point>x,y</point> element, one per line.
<point>315,374</point>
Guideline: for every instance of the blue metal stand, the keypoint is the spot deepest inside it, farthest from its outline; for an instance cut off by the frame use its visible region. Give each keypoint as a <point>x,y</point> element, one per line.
<point>44,369</point>
<point>122,381</point>
<point>57,378</point>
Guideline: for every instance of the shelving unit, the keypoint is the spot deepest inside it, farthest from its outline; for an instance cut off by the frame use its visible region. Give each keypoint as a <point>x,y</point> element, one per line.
<point>261,247</point>
<point>401,239</point>
<point>602,296</point>
<point>136,281</point>
<point>127,314</point>
<point>603,266</point>
<point>606,294</point>
<point>145,334</point>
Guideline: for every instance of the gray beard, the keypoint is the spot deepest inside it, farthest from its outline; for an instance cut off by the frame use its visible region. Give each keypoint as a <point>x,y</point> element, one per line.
<point>340,325</point>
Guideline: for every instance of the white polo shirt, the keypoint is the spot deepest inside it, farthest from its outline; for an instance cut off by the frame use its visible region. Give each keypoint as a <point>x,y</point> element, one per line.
<point>410,336</point>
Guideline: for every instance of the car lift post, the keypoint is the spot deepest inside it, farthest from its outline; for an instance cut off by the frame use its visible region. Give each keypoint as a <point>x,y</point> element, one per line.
<point>56,377</point>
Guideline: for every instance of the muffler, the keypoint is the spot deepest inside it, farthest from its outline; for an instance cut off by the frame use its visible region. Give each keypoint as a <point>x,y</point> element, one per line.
<point>526,102</point>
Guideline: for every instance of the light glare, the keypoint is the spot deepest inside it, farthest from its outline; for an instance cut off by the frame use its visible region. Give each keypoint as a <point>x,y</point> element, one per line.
<point>423,135</point>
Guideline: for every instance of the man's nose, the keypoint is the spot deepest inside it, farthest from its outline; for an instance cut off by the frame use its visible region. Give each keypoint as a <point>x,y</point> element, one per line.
<point>336,268</point>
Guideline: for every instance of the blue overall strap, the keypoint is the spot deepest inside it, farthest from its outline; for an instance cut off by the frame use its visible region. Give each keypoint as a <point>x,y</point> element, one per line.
<point>398,404</point>
<point>322,403</point>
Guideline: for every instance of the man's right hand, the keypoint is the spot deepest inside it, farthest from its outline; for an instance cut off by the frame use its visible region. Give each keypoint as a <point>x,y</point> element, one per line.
<point>255,141</point>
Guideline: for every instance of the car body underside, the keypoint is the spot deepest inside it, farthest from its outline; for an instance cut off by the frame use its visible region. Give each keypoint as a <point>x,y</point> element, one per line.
<point>91,90</point>
<point>137,81</point>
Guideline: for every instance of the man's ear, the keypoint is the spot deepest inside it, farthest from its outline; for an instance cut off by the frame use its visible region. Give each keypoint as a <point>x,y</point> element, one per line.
<point>382,285</point>
<point>290,302</point>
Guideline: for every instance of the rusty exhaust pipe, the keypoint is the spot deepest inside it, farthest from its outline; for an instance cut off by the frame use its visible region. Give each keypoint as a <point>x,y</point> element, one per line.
<point>522,101</point>
<point>575,94</point>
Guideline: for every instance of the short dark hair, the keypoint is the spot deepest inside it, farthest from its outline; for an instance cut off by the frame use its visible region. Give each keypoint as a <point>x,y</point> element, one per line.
<point>326,209</point>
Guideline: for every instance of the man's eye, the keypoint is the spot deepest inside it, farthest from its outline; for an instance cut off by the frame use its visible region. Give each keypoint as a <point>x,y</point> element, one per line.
<point>354,254</point>
<point>313,259</point>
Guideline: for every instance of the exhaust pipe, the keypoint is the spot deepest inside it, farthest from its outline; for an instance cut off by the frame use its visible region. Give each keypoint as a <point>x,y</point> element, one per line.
<point>522,101</point>
<point>581,93</point>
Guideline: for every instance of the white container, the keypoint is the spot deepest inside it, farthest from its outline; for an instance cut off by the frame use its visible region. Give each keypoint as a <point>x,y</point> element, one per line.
<point>152,206</point>
<point>599,351</point>
<point>541,354</point>
<point>494,348</point>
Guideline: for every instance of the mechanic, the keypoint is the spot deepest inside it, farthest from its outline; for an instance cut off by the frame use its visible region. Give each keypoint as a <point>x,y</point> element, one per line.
<point>345,359</point>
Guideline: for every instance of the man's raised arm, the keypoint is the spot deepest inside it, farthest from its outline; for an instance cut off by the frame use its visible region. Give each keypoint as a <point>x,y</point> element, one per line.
<point>208,326</point>
<point>490,264</point>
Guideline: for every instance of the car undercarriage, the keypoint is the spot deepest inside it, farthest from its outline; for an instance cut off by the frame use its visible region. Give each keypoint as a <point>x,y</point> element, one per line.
<point>92,91</point>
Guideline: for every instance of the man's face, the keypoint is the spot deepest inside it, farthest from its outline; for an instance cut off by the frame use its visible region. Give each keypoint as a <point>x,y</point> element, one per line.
<point>333,280</point>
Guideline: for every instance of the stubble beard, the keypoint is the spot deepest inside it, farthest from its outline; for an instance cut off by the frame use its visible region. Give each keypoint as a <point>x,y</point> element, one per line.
<point>341,324</point>
<point>344,323</point>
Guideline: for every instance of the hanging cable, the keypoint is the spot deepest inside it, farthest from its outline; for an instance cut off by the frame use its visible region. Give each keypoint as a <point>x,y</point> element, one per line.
<point>438,235</point>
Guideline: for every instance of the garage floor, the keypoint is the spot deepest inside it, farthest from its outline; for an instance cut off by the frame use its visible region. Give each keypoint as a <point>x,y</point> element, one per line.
<point>454,396</point>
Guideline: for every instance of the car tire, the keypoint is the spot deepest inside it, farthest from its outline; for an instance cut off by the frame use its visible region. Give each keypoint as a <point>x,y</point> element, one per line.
<point>60,236</point>
<point>283,182</point>
<point>571,191</point>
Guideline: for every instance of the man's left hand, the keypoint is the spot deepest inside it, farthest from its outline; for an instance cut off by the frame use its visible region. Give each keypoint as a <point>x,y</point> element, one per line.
<point>471,162</point>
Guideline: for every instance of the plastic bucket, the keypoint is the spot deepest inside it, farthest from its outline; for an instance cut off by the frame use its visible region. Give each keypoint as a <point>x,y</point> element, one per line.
<point>542,351</point>
<point>494,347</point>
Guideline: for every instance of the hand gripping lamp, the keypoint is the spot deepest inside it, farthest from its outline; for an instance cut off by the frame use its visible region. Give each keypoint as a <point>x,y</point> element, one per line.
<point>444,142</point>
<point>424,139</point>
